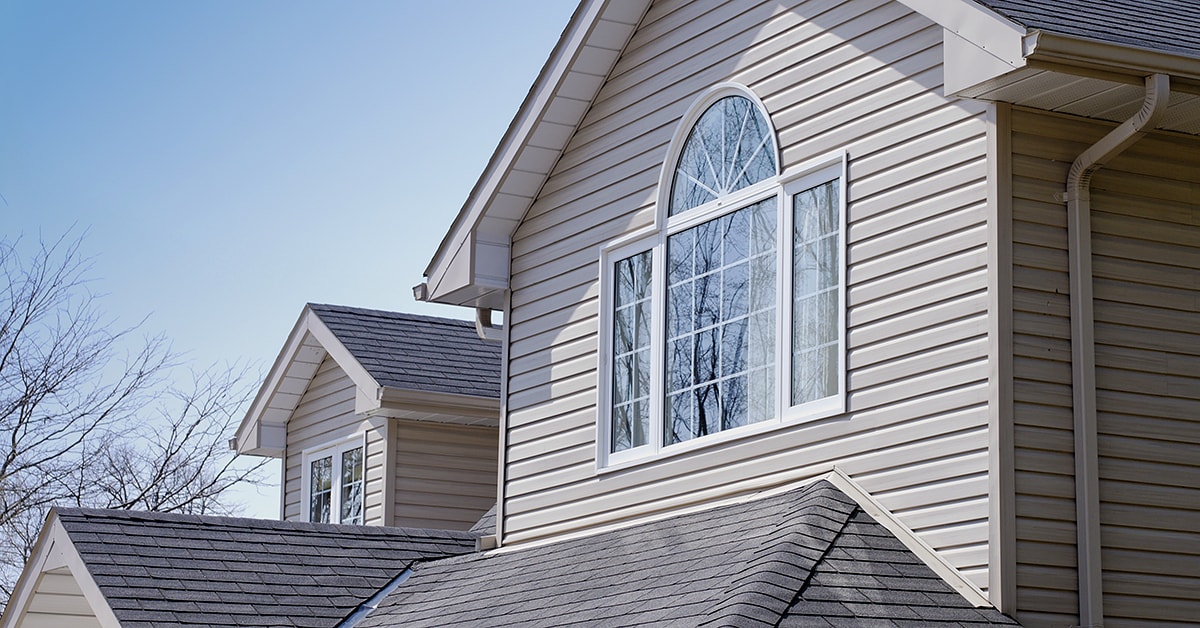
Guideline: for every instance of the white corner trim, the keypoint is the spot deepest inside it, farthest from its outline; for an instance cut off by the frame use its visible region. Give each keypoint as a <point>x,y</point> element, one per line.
<point>949,573</point>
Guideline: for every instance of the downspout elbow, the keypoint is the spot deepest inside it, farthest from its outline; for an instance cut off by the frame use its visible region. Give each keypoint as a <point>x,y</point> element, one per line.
<point>1154,105</point>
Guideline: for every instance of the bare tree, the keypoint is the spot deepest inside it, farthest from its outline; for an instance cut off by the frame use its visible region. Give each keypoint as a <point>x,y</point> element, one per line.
<point>86,420</point>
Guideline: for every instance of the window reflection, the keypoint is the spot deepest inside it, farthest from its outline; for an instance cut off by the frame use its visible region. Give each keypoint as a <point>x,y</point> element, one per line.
<point>352,486</point>
<point>815,280</point>
<point>721,330</point>
<point>320,489</point>
<point>728,149</point>
<point>631,352</point>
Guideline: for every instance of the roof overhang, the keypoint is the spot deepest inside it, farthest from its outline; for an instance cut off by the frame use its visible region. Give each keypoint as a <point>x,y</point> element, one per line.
<point>471,265</point>
<point>263,431</point>
<point>56,589</point>
<point>989,57</point>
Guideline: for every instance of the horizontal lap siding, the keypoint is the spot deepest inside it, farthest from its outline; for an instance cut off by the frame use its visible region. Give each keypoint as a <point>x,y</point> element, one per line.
<point>1043,431</point>
<point>325,416</point>
<point>1146,266</point>
<point>445,474</point>
<point>863,76</point>
<point>1146,252</point>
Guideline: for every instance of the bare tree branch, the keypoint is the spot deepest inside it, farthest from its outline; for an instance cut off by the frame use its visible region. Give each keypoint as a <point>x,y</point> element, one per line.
<point>89,415</point>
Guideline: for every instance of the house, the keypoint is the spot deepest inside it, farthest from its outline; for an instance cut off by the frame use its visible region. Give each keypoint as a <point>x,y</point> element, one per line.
<point>832,312</point>
<point>380,418</point>
<point>949,247</point>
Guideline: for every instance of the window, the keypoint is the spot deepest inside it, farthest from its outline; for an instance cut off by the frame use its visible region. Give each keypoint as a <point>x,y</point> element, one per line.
<point>332,480</point>
<point>727,317</point>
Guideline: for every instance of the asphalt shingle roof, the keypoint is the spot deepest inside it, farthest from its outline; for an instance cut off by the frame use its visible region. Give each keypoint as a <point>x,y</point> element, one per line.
<point>808,557</point>
<point>412,352</point>
<point>1164,25</point>
<point>159,569</point>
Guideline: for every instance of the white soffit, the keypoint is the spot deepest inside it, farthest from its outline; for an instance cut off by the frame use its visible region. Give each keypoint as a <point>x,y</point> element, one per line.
<point>471,265</point>
<point>264,428</point>
<point>989,57</point>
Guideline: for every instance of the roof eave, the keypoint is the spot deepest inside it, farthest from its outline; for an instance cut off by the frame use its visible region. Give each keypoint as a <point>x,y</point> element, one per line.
<point>470,267</point>
<point>1100,56</point>
<point>440,407</point>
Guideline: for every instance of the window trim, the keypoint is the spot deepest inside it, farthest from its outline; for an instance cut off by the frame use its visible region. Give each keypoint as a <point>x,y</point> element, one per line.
<point>784,186</point>
<point>334,450</point>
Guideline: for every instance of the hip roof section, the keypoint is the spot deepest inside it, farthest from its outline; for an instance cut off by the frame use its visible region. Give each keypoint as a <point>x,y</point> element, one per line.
<point>808,556</point>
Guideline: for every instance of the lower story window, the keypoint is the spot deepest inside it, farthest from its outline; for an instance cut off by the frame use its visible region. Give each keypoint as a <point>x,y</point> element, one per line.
<point>334,483</point>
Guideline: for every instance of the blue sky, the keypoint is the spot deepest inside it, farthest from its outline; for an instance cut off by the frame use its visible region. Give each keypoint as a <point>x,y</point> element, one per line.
<point>230,161</point>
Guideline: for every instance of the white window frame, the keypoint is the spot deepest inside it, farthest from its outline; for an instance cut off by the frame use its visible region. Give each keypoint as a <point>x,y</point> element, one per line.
<point>811,173</point>
<point>334,450</point>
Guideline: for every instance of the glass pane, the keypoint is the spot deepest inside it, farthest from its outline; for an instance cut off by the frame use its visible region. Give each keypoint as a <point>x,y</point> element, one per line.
<point>729,148</point>
<point>715,357</point>
<point>631,352</point>
<point>816,270</point>
<point>734,402</point>
<point>320,489</point>
<point>352,486</point>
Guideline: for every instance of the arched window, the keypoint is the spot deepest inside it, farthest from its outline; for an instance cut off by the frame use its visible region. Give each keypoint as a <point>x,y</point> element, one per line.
<point>729,148</point>
<point>740,282</point>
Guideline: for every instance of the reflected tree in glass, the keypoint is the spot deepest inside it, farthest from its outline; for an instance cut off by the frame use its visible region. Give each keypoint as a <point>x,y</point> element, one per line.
<point>631,352</point>
<point>352,486</point>
<point>320,489</point>
<point>816,265</point>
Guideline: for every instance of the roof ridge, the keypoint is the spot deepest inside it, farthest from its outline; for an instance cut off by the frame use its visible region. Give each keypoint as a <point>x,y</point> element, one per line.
<point>145,516</point>
<point>770,582</point>
<point>408,316</point>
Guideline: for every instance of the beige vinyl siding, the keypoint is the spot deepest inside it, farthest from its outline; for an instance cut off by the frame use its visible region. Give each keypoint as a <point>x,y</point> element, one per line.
<point>862,76</point>
<point>325,416</point>
<point>445,474</point>
<point>58,602</point>
<point>1146,265</point>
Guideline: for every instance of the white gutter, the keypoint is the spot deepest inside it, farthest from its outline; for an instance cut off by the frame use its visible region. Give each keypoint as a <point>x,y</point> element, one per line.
<point>1083,348</point>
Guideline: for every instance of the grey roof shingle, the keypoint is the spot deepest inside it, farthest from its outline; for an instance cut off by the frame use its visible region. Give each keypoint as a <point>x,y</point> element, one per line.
<point>159,569</point>
<point>789,559</point>
<point>1164,25</point>
<point>412,352</point>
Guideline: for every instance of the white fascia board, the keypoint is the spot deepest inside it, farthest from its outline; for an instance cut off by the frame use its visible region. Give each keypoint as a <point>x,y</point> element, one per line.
<point>456,266</point>
<point>248,436</point>
<point>264,428</point>
<point>54,550</point>
<point>367,390</point>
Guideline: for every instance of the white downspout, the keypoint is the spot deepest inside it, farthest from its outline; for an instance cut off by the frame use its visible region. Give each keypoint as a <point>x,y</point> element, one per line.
<point>1083,349</point>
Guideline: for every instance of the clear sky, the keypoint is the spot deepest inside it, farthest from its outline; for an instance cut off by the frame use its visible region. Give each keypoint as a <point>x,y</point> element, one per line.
<point>233,160</point>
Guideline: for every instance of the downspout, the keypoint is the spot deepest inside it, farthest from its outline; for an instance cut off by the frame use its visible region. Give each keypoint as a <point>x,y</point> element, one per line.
<point>487,330</point>
<point>1083,349</point>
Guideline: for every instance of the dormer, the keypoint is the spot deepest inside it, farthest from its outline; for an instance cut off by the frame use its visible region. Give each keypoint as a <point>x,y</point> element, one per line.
<point>380,418</point>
